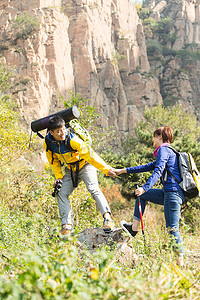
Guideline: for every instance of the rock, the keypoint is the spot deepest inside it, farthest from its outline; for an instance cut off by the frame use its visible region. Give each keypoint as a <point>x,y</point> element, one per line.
<point>97,49</point>
<point>92,238</point>
<point>178,79</point>
<point>83,46</point>
<point>127,256</point>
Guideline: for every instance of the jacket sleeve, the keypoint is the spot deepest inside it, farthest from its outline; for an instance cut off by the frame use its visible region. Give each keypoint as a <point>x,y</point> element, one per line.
<point>89,155</point>
<point>56,167</point>
<point>143,168</point>
<point>162,159</point>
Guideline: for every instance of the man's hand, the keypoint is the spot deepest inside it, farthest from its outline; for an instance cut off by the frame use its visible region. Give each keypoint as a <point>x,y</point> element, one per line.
<point>112,173</point>
<point>56,181</point>
<point>139,191</point>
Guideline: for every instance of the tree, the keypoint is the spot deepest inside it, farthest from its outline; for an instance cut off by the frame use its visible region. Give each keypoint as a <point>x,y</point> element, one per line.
<point>88,118</point>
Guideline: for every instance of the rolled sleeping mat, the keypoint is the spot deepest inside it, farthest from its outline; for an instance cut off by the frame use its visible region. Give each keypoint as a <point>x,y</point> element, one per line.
<point>67,114</point>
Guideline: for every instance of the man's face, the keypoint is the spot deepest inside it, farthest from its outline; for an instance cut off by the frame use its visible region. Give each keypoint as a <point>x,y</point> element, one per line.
<point>59,133</point>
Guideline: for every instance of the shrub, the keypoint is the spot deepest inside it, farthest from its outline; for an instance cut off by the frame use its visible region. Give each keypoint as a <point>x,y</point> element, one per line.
<point>144,13</point>
<point>88,118</point>
<point>24,26</point>
<point>5,76</point>
<point>153,47</point>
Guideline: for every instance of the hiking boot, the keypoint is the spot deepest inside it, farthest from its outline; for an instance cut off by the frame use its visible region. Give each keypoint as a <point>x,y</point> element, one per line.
<point>65,231</point>
<point>128,228</point>
<point>180,261</point>
<point>108,225</point>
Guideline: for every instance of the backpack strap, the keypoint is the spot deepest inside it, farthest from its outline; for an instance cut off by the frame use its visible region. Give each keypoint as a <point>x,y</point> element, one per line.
<point>75,178</point>
<point>168,171</point>
<point>67,144</point>
<point>48,143</point>
<point>76,163</point>
<point>67,140</point>
<point>170,147</point>
<point>40,135</point>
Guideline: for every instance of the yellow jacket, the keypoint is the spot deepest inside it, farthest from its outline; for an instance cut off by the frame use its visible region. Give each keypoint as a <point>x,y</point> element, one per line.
<point>61,153</point>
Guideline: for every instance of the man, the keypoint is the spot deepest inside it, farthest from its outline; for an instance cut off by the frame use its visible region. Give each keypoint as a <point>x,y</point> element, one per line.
<point>81,161</point>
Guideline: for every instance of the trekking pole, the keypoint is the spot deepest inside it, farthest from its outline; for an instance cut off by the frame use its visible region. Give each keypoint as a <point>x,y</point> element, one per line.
<point>140,211</point>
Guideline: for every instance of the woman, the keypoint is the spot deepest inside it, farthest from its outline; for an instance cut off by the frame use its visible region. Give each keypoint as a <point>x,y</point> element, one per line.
<point>171,196</point>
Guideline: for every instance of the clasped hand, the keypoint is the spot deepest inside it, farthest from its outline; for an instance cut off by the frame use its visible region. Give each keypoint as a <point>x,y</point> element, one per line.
<point>114,172</point>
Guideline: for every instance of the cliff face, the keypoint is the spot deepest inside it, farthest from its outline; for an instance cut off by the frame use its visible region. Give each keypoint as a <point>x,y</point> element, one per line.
<point>179,64</point>
<point>98,49</point>
<point>95,48</point>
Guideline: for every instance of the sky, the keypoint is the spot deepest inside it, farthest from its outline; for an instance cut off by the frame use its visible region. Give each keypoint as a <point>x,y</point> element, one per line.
<point>138,1</point>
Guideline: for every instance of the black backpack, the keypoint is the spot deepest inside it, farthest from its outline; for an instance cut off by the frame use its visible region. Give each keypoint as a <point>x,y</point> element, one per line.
<point>190,177</point>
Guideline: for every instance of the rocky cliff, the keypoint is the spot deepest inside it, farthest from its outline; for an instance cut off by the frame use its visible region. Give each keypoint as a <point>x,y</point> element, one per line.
<point>176,56</point>
<point>95,48</point>
<point>98,49</point>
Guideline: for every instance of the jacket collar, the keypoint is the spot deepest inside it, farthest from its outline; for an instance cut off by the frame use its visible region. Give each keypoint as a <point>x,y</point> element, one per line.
<point>156,151</point>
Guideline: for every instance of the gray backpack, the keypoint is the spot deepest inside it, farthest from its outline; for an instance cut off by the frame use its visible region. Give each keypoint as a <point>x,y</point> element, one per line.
<point>190,177</point>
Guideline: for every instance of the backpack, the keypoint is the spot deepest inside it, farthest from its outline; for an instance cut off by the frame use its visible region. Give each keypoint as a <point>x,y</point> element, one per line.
<point>75,127</point>
<point>190,176</point>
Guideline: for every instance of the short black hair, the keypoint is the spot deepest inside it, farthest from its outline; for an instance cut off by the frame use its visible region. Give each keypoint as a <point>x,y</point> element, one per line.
<point>55,122</point>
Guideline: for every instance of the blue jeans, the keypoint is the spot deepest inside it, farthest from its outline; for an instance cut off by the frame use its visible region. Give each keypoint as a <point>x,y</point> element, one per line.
<point>172,204</point>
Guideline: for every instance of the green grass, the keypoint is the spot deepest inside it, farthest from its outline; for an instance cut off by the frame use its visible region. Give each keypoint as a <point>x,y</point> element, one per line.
<point>36,264</point>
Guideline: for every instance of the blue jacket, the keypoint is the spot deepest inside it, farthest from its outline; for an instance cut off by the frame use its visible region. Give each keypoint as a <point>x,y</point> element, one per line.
<point>166,158</point>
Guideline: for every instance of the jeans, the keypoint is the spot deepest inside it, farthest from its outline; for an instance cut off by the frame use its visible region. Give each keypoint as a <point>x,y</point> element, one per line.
<point>88,174</point>
<point>172,204</point>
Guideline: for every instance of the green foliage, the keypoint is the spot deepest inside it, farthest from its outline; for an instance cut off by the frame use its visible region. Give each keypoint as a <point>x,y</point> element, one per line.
<point>187,56</point>
<point>170,100</point>
<point>164,26</point>
<point>88,115</point>
<point>35,264</point>
<point>13,140</point>
<point>149,22</point>
<point>83,205</point>
<point>158,35</point>
<point>138,5</point>
<point>5,76</point>
<point>144,13</point>
<point>153,47</point>
<point>24,25</point>
<point>184,125</point>
<point>89,118</point>
<point>148,25</point>
<point>117,57</point>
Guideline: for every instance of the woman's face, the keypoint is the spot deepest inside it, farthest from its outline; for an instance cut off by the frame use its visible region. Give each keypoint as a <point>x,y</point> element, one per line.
<point>157,141</point>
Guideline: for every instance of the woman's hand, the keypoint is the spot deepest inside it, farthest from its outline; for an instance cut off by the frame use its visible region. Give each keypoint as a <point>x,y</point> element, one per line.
<point>139,191</point>
<point>120,171</point>
<point>111,173</point>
